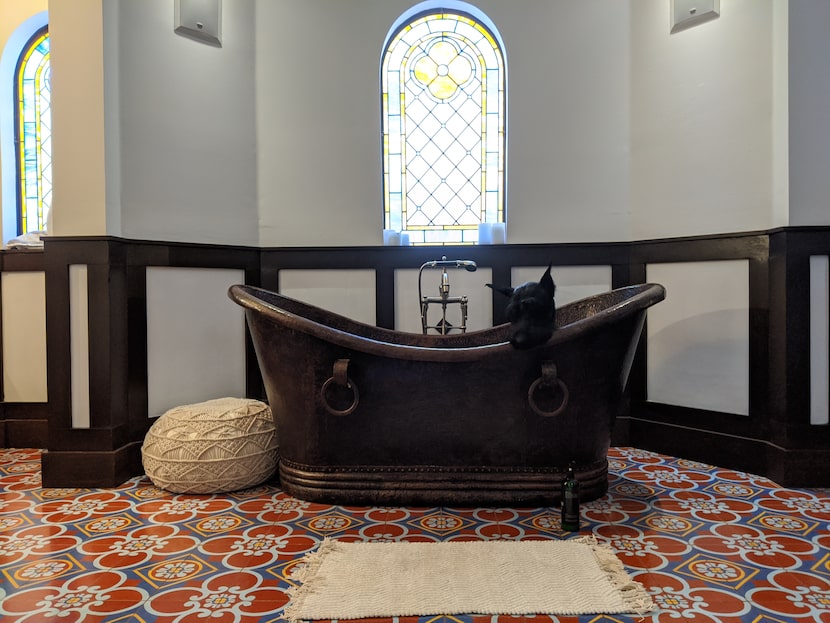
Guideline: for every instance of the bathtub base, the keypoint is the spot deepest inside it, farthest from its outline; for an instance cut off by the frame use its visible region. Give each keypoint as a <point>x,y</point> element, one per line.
<point>429,485</point>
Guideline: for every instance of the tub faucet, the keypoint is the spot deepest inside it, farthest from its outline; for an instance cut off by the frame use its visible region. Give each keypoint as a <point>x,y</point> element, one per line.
<point>444,326</point>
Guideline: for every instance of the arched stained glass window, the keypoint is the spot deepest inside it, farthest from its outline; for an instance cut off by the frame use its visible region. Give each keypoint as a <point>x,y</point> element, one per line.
<point>443,98</point>
<point>33,134</point>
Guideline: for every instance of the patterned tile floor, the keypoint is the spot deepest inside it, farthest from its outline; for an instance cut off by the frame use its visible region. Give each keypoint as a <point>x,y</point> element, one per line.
<point>710,544</point>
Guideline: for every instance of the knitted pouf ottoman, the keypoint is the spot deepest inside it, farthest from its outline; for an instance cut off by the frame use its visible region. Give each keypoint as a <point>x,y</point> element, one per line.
<point>211,447</point>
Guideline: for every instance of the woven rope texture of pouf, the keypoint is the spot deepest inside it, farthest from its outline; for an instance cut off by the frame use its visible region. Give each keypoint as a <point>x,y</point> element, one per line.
<point>215,446</point>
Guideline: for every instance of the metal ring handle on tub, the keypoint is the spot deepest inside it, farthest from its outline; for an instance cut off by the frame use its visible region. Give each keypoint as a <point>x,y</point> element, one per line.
<point>340,377</point>
<point>548,378</point>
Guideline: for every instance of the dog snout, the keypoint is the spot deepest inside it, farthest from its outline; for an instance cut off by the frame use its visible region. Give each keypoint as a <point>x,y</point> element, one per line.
<point>520,341</point>
<point>526,336</point>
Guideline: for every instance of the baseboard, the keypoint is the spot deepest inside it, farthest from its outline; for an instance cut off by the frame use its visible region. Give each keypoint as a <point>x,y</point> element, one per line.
<point>24,433</point>
<point>100,469</point>
<point>787,467</point>
<point>24,424</point>
<point>800,467</point>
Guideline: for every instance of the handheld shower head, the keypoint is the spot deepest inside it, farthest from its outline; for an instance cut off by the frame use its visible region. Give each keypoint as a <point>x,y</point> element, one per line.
<point>469,265</point>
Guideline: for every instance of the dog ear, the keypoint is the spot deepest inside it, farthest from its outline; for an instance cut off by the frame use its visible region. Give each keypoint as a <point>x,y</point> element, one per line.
<point>508,292</point>
<point>547,281</point>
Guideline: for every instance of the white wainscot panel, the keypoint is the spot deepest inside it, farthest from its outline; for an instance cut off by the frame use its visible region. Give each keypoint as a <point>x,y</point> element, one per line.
<point>819,346</point>
<point>572,282</point>
<point>195,337</point>
<point>350,293</point>
<point>462,283</point>
<point>24,336</point>
<point>698,337</point>
<point>79,344</point>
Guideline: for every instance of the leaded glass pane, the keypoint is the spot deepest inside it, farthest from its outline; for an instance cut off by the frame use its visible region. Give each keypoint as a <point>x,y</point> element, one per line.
<point>33,134</point>
<point>443,129</point>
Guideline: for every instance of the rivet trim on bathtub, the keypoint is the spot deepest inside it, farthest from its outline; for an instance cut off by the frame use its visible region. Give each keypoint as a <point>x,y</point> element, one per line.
<point>436,485</point>
<point>477,469</point>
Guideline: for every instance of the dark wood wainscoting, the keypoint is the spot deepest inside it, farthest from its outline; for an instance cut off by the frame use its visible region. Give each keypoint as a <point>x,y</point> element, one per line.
<point>109,451</point>
<point>776,438</point>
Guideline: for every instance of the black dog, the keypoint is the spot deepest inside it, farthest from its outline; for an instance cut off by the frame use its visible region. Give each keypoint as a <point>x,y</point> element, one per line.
<point>531,311</point>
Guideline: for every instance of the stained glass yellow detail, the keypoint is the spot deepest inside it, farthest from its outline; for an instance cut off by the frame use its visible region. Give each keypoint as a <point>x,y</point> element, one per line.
<point>443,70</point>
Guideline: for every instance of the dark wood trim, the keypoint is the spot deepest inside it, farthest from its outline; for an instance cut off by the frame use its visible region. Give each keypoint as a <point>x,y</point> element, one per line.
<point>136,317</point>
<point>116,280</point>
<point>23,424</point>
<point>27,433</point>
<point>2,363</point>
<point>700,443</point>
<point>385,297</point>
<point>21,260</point>
<point>789,467</point>
<point>725,423</point>
<point>750,245</point>
<point>104,468</point>
<point>793,248</point>
<point>24,410</point>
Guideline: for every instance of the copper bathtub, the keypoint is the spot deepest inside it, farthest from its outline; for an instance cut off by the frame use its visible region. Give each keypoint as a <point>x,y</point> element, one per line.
<point>366,415</point>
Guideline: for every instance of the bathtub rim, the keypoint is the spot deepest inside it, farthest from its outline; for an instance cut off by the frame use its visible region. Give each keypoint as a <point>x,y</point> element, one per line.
<point>644,295</point>
<point>255,299</point>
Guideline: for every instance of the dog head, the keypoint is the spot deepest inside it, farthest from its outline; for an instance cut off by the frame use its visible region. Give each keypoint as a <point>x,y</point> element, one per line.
<point>531,311</point>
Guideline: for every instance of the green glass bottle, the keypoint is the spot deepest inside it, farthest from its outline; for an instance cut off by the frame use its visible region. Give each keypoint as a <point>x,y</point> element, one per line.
<point>570,501</point>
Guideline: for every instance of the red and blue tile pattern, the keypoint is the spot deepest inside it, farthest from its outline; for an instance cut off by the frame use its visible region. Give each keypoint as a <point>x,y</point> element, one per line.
<point>711,545</point>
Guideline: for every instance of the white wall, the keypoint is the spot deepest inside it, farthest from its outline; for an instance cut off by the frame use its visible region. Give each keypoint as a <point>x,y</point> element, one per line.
<point>705,115</point>
<point>568,119</point>
<point>318,119</point>
<point>617,130</point>
<point>809,101</point>
<point>78,157</point>
<point>186,144</point>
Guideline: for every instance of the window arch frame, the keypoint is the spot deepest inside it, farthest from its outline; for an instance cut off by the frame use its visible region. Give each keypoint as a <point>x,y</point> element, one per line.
<point>491,200</point>
<point>22,161</point>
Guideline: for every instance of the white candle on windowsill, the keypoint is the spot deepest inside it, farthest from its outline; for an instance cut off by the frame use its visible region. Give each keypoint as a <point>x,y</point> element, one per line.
<point>485,233</point>
<point>404,239</point>
<point>498,233</point>
<point>391,237</point>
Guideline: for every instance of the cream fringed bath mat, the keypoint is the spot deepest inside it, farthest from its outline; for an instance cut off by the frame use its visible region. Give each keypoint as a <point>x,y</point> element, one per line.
<point>360,580</point>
